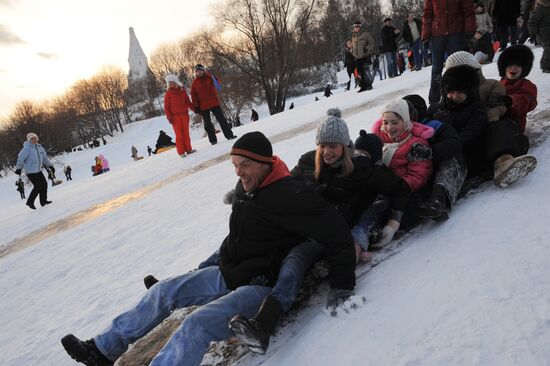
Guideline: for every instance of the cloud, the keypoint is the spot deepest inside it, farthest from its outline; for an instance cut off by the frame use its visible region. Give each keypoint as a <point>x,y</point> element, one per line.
<point>46,55</point>
<point>7,37</point>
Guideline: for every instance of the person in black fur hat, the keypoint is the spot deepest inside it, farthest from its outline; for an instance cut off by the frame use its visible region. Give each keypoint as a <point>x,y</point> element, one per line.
<point>506,140</point>
<point>456,154</point>
<point>514,64</point>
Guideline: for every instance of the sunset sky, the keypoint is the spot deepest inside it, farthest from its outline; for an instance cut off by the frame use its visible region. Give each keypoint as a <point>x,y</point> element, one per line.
<point>47,45</point>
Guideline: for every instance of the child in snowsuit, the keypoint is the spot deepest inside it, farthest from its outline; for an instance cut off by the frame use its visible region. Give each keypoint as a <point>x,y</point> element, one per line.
<point>539,27</point>
<point>20,187</point>
<point>68,171</point>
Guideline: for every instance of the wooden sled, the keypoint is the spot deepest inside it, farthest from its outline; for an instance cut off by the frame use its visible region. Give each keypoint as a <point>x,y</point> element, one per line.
<point>163,149</point>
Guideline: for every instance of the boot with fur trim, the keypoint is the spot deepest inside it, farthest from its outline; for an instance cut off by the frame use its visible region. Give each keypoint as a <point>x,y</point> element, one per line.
<point>508,170</point>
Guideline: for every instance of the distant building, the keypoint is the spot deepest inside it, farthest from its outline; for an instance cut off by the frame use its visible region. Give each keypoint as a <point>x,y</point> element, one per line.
<point>141,82</point>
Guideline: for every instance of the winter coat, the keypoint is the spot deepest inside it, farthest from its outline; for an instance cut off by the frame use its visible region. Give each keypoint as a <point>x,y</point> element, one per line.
<point>351,195</point>
<point>20,186</point>
<point>349,61</point>
<point>484,24</point>
<point>104,162</point>
<point>412,158</point>
<point>489,90</point>
<point>362,45</point>
<point>267,222</point>
<point>31,158</point>
<point>176,102</point>
<point>407,35</point>
<point>164,140</point>
<point>328,93</point>
<point>254,117</point>
<point>446,17</point>
<point>524,99</point>
<point>507,11</point>
<point>539,22</point>
<point>389,37</point>
<point>204,95</point>
<point>445,142</point>
<point>468,119</point>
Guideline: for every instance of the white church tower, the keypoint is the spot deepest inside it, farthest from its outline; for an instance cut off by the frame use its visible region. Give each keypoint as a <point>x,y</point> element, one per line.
<point>139,73</point>
<point>136,59</point>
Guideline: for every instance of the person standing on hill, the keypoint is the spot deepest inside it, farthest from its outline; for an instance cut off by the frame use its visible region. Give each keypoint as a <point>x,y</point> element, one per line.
<point>68,170</point>
<point>449,26</point>
<point>254,115</point>
<point>389,46</point>
<point>204,97</point>
<point>412,29</point>
<point>176,104</point>
<point>31,158</point>
<point>362,48</point>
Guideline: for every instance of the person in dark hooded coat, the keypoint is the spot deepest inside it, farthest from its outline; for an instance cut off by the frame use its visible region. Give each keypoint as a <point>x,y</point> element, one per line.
<point>456,153</point>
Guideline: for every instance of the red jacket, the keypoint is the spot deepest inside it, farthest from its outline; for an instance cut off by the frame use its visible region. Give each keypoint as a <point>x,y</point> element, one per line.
<point>415,172</point>
<point>176,102</point>
<point>445,17</point>
<point>204,93</point>
<point>524,99</point>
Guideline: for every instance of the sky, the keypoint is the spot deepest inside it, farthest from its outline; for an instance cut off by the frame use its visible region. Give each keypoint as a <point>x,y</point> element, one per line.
<point>45,46</point>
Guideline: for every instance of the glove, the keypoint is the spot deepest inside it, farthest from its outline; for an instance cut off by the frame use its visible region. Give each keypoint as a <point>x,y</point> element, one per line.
<point>18,171</point>
<point>337,296</point>
<point>52,169</point>
<point>435,124</point>
<point>387,235</point>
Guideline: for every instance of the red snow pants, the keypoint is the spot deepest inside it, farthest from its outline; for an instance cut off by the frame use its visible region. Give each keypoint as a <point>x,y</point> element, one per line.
<point>181,129</point>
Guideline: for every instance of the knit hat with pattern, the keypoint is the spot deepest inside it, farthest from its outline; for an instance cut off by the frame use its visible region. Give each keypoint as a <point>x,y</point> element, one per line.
<point>333,130</point>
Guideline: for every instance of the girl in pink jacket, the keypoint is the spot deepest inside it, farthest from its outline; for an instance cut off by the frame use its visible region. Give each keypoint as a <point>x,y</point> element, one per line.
<point>406,149</point>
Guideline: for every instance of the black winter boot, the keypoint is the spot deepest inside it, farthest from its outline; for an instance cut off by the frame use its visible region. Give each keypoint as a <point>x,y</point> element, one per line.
<point>255,332</point>
<point>85,352</point>
<point>31,205</point>
<point>437,207</point>
<point>149,281</point>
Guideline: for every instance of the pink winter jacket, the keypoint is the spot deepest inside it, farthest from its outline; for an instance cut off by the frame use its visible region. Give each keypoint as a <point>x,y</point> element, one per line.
<point>104,162</point>
<point>415,170</point>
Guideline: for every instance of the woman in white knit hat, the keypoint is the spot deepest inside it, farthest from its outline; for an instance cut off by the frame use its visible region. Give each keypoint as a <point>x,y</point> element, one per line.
<point>31,158</point>
<point>176,106</point>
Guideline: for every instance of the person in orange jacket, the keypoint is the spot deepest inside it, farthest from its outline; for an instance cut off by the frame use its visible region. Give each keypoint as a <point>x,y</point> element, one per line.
<point>176,104</point>
<point>205,100</point>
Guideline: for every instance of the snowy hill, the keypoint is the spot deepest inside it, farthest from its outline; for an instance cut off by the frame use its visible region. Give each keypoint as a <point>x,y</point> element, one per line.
<point>471,291</point>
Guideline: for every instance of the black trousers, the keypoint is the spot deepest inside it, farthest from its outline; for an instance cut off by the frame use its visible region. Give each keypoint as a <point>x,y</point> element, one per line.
<point>40,187</point>
<point>209,128</point>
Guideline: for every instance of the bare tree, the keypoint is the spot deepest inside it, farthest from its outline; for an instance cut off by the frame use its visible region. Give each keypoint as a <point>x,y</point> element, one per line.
<point>266,47</point>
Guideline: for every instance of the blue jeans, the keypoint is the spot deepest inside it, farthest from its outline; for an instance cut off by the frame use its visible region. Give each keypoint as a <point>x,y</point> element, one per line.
<point>391,60</point>
<point>441,44</point>
<point>416,47</point>
<point>208,323</point>
<point>376,71</point>
<point>293,269</point>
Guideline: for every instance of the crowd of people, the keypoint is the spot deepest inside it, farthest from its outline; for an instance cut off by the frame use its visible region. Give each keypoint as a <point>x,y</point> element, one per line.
<point>341,201</point>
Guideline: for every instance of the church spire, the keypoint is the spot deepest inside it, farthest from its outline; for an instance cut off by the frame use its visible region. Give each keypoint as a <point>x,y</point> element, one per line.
<point>136,58</point>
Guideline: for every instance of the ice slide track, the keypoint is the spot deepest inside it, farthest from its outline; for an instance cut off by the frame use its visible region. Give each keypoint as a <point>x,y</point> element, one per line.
<point>95,211</point>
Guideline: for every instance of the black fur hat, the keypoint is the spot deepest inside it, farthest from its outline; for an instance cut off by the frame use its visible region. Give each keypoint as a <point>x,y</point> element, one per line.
<point>462,78</point>
<point>516,55</point>
<point>419,104</point>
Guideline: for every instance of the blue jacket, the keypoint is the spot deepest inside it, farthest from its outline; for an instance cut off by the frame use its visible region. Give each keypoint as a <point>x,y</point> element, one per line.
<point>32,157</point>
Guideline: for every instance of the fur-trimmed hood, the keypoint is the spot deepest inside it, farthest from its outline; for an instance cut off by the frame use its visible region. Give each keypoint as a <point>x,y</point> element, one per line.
<point>516,55</point>
<point>462,78</point>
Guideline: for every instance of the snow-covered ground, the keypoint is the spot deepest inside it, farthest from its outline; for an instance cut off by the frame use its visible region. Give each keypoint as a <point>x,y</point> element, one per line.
<point>474,290</point>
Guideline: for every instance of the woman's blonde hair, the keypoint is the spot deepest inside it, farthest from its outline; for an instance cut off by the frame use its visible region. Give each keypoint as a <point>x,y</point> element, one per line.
<point>345,161</point>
